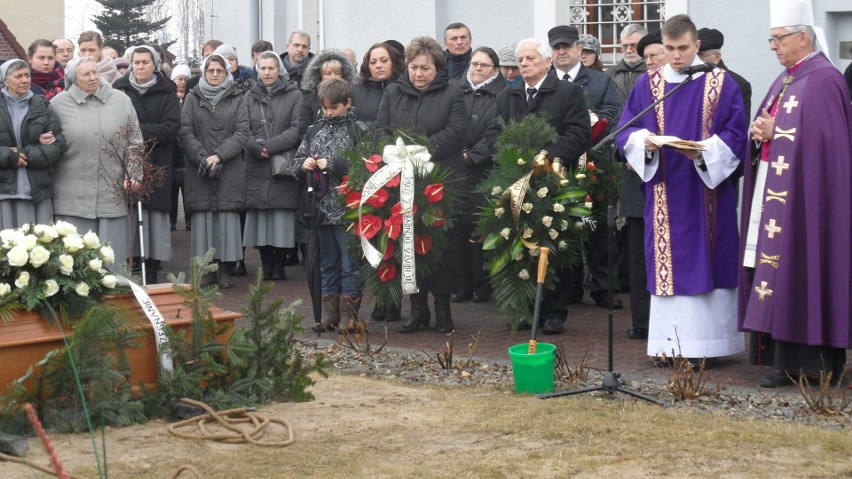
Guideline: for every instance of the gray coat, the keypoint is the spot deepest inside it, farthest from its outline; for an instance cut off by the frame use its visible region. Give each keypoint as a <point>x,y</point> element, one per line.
<point>281,112</point>
<point>40,158</point>
<point>206,130</point>
<point>86,176</point>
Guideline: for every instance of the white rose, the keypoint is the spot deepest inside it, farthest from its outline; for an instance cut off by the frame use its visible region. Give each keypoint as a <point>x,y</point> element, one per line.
<point>66,264</point>
<point>580,176</point>
<point>524,275</point>
<point>528,233</point>
<point>46,233</point>
<point>4,289</point>
<point>579,225</point>
<point>553,234</point>
<point>51,287</point>
<point>563,246</point>
<point>18,256</point>
<point>109,281</point>
<point>64,228</point>
<point>25,227</point>
<point>82,289</point>
<point>542,192</point>
<point>527,207</point>
<point>588,204</point>
<point>23,279</point>
<point>558,207</point>
<point>547,220</point>
<point>29,241</point>
<point>73,243</point>
<point>91,240</point>
<point>38,256</point>
<point>496,191</point>
<point>521,161</point>
<point>96,264</point>
<point>505,233</point>
<point>6,237</point>
<point>108,254</point>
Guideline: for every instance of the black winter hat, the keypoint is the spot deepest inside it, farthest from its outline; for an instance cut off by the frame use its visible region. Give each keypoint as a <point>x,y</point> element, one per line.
<point>711,39</point>
<point>563,34</point>
<point>654,36</point>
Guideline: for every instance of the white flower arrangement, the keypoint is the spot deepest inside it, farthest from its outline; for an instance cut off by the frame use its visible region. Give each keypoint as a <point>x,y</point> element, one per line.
<point>43,266</point>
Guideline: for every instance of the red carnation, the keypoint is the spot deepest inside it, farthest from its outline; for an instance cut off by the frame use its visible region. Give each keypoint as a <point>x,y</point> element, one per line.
<point>372,163</point>
<point>434,192</point>
<point>369,226</point>
<point>439,219</point>
<point>344,188</point>
<point>588,198</point>
<point>386,272</point>
<point>393,182</point>
<point>389,250</point>
<point>378,199</point>
<point>422,244</point>
<point>393,226</point>
<point>353,200</point>
<point>590,166</point>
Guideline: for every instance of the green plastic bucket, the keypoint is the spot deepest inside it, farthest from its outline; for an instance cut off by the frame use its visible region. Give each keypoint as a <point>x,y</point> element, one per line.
<point>533,372</point>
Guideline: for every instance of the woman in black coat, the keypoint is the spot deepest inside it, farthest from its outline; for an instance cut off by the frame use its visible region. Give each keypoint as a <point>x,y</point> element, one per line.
<point>425,102</point>
<point>382,66</point>
<point>274,107</point>
<point>480,86</point>
<point>158,109</point>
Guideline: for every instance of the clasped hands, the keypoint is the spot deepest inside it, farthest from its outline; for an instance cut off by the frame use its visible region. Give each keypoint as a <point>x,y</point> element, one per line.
<point>46,138</point>
<point>311,164</point>
<point>761,129</point>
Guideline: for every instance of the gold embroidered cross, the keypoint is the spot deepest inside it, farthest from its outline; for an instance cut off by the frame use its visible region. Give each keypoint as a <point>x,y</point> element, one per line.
<point>779,165</point>
<point>791,103</point>
<point>763,291</point>
<point>771,229</point>
<point>786,134</point>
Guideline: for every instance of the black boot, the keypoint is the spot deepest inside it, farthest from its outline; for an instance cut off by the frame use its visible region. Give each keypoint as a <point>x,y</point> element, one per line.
<point>420,315</point>
<point>266,258</point>
<point>378,313</point>
<point>152,266</point>
<point>443,316</point>
<point>279,259</point>
<point>240,266</point>
<point>291,257</point>
<point>224,273</point>
<point>136,266</point>
<point>392,313</point>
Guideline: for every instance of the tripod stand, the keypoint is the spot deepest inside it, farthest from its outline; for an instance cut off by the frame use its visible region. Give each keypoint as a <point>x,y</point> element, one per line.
<point>612,380</point>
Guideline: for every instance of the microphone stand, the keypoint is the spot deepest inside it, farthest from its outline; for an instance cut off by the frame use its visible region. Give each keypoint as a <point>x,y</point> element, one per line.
<point>612,380</point>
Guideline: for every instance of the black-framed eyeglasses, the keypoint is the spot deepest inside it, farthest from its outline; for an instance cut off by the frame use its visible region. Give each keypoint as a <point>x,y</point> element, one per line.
<point>484,66</point>
<point>776,39</point>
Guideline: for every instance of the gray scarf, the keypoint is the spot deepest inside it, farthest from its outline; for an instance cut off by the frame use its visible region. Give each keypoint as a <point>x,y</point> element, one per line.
<point>215,93</point>
<point>142,88</point>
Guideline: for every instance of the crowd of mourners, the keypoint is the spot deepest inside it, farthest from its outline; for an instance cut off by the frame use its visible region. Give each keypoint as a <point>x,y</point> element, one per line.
<point>220,131</point>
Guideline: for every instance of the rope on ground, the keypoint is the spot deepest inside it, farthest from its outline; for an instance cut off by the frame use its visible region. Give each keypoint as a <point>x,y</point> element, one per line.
<point>44,469</point>
<point>192,470</point>
<point>229,421</point>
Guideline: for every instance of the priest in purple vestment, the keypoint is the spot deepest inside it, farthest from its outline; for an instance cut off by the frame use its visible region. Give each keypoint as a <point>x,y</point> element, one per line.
<point>796,279</point>
<point>691,239</point>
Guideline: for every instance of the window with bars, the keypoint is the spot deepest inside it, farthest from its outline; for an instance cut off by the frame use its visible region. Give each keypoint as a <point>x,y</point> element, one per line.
<point>606,18</point>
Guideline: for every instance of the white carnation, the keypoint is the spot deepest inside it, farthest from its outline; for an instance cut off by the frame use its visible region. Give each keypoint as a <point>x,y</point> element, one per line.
<point>558,207</point>
<point>498,212</point>
<point>505,233</point>
<point>496,191</point>
<point>580,176</point>
<point>588,204</point>
<point>82,289</point>
<point>547,220</point>
<point>528,232</point>
<point>96,264</point>
<point>108,254</point>
<point>109,281</point>
<point>38,256</point>
<point>563,246</point>
<point>527,207</point>
<point>51,287</point>
<point>66,264</point>
<point>563,225</point>
<point>64,228</point>
<point>542,192</point>
<point>18,256</point>
<point>521,161</point>
<point>73,243</point>
<point>91,240</point>
<point>553,234</point>
<point>23,279</point>
<point>524,275</point>
<point>579,225</point>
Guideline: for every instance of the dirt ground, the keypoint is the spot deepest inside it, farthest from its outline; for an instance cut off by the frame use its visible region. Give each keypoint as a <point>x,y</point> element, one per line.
<point>359,427</point>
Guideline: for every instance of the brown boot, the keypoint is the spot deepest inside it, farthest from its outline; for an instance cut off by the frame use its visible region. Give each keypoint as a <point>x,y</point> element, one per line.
<point>330,312</point>
<point>349,307</point>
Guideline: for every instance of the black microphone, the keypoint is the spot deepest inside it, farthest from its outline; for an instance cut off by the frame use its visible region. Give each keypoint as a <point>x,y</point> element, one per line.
<point>704,67</point>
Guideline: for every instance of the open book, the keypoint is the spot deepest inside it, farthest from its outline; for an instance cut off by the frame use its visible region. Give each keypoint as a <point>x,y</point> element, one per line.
<point>675,142</point>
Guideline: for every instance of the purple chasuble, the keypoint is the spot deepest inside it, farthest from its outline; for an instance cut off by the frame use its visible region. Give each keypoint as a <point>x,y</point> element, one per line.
<point>690,230</point>
<point>801,288</point>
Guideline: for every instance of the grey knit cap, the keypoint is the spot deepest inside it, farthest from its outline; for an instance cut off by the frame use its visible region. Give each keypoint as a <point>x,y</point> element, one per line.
<point>507,55</point>
<point>228,51</point>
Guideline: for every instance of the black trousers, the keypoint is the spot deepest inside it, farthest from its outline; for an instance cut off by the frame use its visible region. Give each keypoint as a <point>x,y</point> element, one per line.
<point>640,298</point>
<point>598,261</point>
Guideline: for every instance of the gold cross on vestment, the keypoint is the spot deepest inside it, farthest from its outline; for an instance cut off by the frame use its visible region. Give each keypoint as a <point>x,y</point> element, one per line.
<point>771,229</point>
<point>763,291</point>
<point>780,166</point>
<point>790,104</point>
<point>786,134</point>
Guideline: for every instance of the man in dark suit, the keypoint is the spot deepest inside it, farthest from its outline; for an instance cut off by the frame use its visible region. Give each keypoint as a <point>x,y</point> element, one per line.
<point>710,50</point>
<point>542,92</point>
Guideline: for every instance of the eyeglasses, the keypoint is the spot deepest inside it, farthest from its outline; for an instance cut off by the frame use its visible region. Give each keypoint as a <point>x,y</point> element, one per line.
<point>653,56</point>
<point>625,46</point>
<point>776,39</point>
<point>484,66</point>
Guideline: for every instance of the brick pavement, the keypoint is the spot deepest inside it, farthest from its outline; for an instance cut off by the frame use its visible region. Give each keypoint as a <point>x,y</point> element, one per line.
<point>586,324</point>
